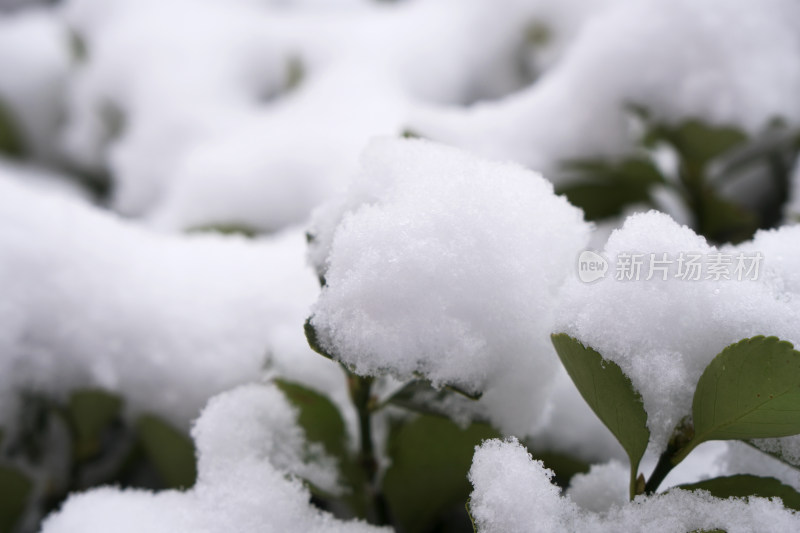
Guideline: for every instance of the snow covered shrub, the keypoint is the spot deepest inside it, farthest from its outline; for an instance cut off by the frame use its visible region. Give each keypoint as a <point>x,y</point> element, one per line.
<point>434,287</point>
<point>114,337</point>
<point>720,182</point>
<point>436,270</point>
<point>668,377</point>
<point>514,493</point>
<point>415,288</point>
<point>682,375</point>
<point>250,451</point>
<point>160,161</point>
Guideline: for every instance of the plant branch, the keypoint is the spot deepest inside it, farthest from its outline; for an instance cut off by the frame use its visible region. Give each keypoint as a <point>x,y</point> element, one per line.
<point>361,395</point>
<point>681,443</point>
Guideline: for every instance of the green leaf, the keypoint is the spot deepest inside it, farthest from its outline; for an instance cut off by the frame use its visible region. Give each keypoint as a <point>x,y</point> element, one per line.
<point>768,159</point>
<point>750,390</point>
<point>226,228</point>
<point>724,221</point>
<point>319,417</point>
<point>538,34</point>
<point>605,188</point>
<point>34,419</point>
<point>14,491</point>
<point>427,479</point>
<point>295,73</point>
<point>323,423</point>
<point>632,171</point>
<point>469,514</point>
<point>78,47</point>
<point>171,452</point>
<point>609,393</point>
<point>421,397</point>
<point>90,412</point>
<point>11,143</point>
<point>775,140</point>
<point>741,486</point>
<point>697,143</point>
<point>602,200</point>
<point>774,448</point>
<point>313,339</point>
<point>474,396</point>
<point>113,118</point>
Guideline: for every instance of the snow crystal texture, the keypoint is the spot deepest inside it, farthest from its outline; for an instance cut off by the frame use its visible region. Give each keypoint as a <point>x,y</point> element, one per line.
<point>663,333</point>
<point>444,264</point>
<point>513,493</point>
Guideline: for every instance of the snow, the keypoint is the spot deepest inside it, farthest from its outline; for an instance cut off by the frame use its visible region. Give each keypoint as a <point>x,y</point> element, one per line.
<point>512,492</point>
<point>38,177</point>
<point>679,59</point>
<point>664,333</point>
<point>255,422</point>
<point>248,149</point>
<point>166,321</point>
<point>444,265</point>
<point>249,451</point>
<point>133,103</point>
<point>787,448</point>
<point>438,263</point>
<point>741,458</point>
<point>258,172</point>
<point>508,485</point>
<point>604,486</point>
<point>34,62</point>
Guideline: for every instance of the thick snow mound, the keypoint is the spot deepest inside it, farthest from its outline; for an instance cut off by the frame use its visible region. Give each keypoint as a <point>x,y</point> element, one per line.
<point>663,333</point>
<point>167,321</point>
<point>446,265</point>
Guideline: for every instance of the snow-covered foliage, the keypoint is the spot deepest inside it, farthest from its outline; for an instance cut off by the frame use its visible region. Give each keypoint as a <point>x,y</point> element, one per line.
<point>648,329</point>
<point>442,168</point>
<point>437,269</point>
<point>90,300</point>
<point>34,60</point>
<point>513,492</point>
<point>249,450</point>
<point>679,59</point>
<point>274,86</point>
